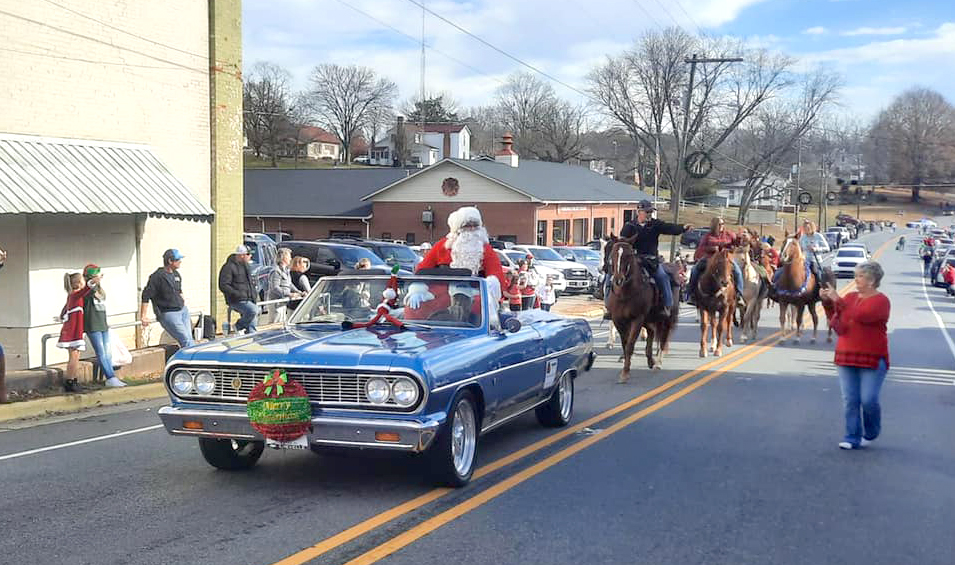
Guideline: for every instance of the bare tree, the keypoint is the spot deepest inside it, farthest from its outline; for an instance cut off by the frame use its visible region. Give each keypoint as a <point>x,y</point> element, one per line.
<point>266,99</point>
<point>643,90</point>
<point>544,126</point>
<point>379,119</point>
<point>345,99</point>
<point>916,133</point>
<point>486,127</point>
<point>765,142</point>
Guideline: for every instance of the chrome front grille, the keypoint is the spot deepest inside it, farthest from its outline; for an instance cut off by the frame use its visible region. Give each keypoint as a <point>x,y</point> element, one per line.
<point>324,387</point>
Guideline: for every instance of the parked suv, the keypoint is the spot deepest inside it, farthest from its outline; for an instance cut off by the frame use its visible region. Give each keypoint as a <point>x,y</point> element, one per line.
<point>389,252</point>
<point>586,256</point>
<point>577,275</point>
<point>327,258</point>
<point>509,259</point>
<point>263,250</point>
<point>692,238</point>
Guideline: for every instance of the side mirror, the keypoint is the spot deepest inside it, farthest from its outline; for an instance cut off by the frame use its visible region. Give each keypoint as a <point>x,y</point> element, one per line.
<point>334,263</point>
<point>513,325</point>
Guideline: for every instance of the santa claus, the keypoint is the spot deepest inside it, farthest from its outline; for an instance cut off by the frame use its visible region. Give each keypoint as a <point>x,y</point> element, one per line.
<point>465,247</point>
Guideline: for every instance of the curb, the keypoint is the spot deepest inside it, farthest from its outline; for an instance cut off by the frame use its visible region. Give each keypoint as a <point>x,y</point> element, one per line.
<point>597,312</point>
<point>77,402</point>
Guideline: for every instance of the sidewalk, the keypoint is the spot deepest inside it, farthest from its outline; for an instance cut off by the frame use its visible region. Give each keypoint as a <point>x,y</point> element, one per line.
<point>578,306</point>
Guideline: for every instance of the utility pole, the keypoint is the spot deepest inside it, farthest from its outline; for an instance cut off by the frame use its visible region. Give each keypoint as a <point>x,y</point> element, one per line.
<point>681,173</point>
<point>656,170</point>
<point>796,190</point>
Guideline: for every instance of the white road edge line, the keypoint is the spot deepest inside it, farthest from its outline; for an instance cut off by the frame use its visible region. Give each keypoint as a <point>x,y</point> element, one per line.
<point>941,324</point>
<point>79,442</point>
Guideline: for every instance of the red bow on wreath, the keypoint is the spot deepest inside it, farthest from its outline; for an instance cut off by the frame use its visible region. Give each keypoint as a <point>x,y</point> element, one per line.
<point>278,378</point>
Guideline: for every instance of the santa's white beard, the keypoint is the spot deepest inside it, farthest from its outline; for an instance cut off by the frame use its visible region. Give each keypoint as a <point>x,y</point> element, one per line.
<point>467,249</point>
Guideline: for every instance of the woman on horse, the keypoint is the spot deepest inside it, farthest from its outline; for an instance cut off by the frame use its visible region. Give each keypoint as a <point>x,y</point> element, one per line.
<point>712,242</point>
<point>811,242</point>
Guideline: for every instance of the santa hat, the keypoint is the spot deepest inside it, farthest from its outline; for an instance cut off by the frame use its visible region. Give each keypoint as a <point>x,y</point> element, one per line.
<point>464,216</point>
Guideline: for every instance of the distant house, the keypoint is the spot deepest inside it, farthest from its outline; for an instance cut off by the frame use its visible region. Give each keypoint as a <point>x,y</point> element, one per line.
<point>426,146</point>
<point>732,192</point>
<point>317,143</point>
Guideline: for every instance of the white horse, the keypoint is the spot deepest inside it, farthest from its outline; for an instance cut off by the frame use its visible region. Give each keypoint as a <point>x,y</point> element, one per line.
<point>752,301</point>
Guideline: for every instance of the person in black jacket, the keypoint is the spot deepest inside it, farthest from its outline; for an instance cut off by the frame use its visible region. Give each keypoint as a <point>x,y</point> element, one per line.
<point>236,284</point>
<point>648,231</point>
<point>164,289</point>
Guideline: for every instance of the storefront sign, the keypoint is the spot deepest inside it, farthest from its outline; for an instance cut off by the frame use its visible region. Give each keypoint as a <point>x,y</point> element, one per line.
<point>571,208</point>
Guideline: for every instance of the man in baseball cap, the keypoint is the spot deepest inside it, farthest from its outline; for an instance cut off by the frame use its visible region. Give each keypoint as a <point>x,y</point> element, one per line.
<point>238,287</point>
<point>164,290</point>
<point>646,232</point>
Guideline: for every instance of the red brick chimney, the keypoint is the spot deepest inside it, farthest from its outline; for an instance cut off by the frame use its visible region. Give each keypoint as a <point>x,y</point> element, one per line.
<point>507,155</point>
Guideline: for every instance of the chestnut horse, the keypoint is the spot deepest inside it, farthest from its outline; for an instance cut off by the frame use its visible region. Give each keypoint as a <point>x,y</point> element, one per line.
<point>716,303</point>
<point>632,304</point>
<point>796,289</point>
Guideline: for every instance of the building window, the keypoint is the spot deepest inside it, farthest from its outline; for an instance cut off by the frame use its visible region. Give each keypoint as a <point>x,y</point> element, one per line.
<point>541,232</point>
<point>560,232</point>
<point>579,236</point>
<point>627,215</point>
<point>613,220</point>
<point>409,238</point>
<point>600,227</point>
<point>386,235</point>
<point>510,238</point>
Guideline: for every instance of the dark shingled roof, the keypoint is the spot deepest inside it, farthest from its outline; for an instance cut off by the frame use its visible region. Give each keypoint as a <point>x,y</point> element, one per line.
<point>544,181</point>
<point>313,193</point>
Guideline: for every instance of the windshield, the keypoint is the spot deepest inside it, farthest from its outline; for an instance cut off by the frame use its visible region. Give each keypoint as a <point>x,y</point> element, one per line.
<point>397,253</point>
<point>515,256</point>
<point>350,255</point>
<point>443,302</point>
<point>854,252</point>
<point>587,254</point>
<point>544,254</point>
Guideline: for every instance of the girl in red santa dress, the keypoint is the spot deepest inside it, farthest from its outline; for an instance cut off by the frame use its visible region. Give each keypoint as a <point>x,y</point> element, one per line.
<point>71,334</point>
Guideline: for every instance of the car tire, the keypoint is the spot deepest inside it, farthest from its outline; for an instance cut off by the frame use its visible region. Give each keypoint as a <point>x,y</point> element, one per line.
<point>559,409</point>
<point>452,460</point>
<point>231,454</point>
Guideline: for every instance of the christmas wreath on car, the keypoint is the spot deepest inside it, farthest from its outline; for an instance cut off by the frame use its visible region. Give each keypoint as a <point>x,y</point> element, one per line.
<point>278,408</point>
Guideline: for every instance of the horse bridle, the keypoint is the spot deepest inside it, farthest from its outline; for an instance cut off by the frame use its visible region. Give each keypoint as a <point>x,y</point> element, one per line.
<point>616,267</point>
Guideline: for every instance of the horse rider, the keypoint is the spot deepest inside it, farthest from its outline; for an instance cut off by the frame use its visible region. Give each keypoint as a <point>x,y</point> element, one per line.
<point>811,242</point>
<point>646,245</point>
<point>718,237</point>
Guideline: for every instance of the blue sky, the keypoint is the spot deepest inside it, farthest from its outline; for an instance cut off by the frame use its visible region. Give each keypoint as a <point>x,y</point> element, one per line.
<point>882,47</point>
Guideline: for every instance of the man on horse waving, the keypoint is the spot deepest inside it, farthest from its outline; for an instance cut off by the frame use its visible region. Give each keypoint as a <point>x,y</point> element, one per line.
<point>645,232</point>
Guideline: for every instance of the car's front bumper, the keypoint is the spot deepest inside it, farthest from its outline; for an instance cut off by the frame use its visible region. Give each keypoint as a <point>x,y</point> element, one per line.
<point>355,432</point>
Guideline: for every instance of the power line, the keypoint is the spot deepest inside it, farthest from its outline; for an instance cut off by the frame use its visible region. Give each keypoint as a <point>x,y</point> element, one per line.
<point>687,14</point>
<point>92,61</point>
<point>102,42</point>
<point>498,49</point>
<point>647,13</point>
<point>667,12</point>
<point>417,40</point>
<point>123,31</point>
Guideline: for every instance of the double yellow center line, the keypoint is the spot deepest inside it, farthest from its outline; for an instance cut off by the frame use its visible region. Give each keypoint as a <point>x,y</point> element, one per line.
<point>733,360</point>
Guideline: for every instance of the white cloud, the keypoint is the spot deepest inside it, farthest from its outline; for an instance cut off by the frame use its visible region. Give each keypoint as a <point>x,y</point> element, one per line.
<point>938,47</point>
<point>817,30</point>
<point>875,31</point>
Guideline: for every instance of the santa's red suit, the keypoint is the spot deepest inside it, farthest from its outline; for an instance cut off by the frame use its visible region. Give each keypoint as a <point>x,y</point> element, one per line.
<point>440,256</point>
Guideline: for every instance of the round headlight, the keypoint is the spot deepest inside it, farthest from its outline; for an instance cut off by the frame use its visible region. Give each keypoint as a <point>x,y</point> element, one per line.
<point>377,390</point>
<point>182,382</point>
<point>405,392</point>
<point>205,382</point>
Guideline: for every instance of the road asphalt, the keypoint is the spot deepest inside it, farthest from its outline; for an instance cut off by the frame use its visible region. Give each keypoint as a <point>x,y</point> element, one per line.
<point>735,464</point>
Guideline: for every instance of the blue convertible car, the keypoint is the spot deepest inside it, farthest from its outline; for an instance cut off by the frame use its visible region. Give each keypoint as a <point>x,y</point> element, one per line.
<point>452,371</point>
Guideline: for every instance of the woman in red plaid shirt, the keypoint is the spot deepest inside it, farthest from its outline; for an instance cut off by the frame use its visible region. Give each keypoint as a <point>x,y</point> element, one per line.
<point>862,352</point>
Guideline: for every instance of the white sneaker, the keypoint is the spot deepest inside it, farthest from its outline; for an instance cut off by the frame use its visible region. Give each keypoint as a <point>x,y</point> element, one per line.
<point>866,442</point>
<point>845,445</point>
<point>114,382</point>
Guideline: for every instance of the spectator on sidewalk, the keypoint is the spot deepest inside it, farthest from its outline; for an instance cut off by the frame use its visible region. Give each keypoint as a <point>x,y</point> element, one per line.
<point>71,334</point>
<point>512,290</point>
<point>299,274</point>
<point>95,325</point>
<point>363,263</point>
<point>548,295</point>
<point>236,284</point>
<point>280,284</point>
<point>531,279</point>
<point>164,289</point>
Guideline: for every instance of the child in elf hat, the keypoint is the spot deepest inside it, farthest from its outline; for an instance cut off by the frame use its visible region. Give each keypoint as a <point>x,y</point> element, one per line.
<point>71,334</point>
<point>94,323</point>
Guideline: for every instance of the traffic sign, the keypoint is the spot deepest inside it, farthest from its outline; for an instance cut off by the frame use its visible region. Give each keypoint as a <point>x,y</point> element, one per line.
<point>761,217</point>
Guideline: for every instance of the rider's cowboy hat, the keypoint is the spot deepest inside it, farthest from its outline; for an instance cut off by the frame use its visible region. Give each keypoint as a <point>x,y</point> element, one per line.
<point>646,205</point>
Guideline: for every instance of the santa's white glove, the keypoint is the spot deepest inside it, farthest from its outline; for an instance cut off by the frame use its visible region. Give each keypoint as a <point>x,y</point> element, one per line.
<point>416,295</point>
<point>493,289</point>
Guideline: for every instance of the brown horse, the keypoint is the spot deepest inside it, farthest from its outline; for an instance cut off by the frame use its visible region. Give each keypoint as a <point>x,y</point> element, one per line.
<point>716,303</point>
<point>795,289</point>
<point>632,305</point>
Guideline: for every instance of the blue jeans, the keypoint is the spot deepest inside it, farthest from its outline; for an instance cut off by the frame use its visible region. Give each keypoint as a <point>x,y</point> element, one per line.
<point>176,323</point>
<point>100,342</point>
<point>248,312</point>
<point>662,279</point>
<point>860,387</point>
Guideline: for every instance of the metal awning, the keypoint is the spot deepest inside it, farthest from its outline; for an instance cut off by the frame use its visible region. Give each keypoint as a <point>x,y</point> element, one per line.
<point>43,175</point>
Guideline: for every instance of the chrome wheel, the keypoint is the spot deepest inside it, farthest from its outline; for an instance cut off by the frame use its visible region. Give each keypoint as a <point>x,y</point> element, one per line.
<point>565,392</point>
<point>463,437</point>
